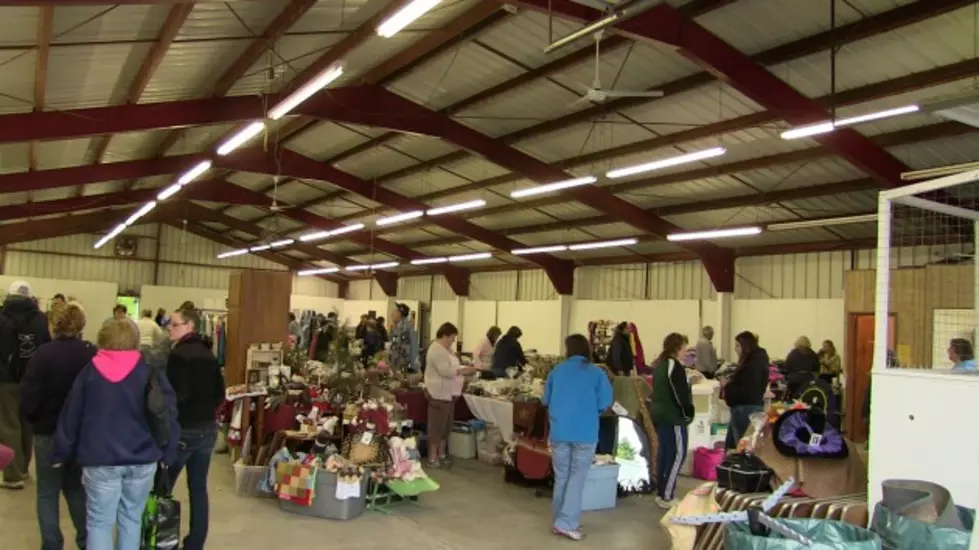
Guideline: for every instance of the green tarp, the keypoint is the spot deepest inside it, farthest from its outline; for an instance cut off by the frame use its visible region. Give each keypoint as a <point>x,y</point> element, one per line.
<point>826,535</point>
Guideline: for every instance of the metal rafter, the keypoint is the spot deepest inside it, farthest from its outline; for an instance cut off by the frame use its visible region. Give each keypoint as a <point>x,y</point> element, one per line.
<point>33,230</point>
<point>168,33</point>
<point>45,24</point>
<point>18,182</point>
<point>664,24</point>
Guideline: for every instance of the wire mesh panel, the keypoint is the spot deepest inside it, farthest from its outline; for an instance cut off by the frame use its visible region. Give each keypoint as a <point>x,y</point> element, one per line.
<point>926,280</point>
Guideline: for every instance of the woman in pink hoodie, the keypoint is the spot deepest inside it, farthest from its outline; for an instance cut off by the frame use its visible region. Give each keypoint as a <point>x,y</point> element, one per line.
<point>106,429</point>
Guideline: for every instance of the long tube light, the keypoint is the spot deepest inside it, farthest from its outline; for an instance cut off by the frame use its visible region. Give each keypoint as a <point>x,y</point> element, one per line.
<point>404,17</point>
<point>293,100</point>
<point>629,11</point>
<point>830,125</point>
<point>111,235</point>
<point>714,234</point>
<point>315,236</point>
<point>556,186</point>
<point>538,250</point>
<point>317,271</point>
<point>232,253</point>
<point>195,172</point>
<point>428,261</point>
<point>666,163</point>
<point>823,222</point>
<point>141,212</point>
<point>241,138</point>
<point>479,203</point>
<point>471,257</point>
<point>260,248</point>
<point>365,267</point>
<point>346,229</point>
<point>283,242</point>
<point>603,244</point>
<point>405,216</point>
<point>168,192</point>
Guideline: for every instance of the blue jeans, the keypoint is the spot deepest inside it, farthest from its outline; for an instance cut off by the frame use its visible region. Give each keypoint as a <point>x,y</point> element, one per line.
<point>571,462</point>
<point>672,441</point>
<point>116,494</point>
<point>51,483</point>
<point>194,453</point>
<point>740,420</point>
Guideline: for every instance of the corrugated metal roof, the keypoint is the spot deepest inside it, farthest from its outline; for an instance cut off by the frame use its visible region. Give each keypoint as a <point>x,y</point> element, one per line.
<point>190,69</point>
<point>18,26</point>
<point>107,23</point>
<point>62,154</point>
<point>289,57</point>
<point>133,145</point>
<point>90,76</point>
<point>17,80</point>
<point>221,19</point>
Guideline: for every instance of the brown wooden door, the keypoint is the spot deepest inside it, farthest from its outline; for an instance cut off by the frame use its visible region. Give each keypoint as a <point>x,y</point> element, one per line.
<point>860,361</point>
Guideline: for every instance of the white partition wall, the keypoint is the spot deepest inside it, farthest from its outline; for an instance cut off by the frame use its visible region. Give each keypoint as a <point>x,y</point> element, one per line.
<point>446,311</point>
<point>170,297</point>
<point>97,299</point>
<point>477,317</point>
<point>779,322</point>
<point>540,322</point>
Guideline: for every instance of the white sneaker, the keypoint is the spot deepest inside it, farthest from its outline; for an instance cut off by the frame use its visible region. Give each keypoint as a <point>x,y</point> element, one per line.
<point>665,504</point>
<point>12,485</point>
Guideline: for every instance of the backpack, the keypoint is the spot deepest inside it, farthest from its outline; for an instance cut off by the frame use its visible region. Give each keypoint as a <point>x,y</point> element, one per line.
<point>18,343</point>
<point>157,412</point>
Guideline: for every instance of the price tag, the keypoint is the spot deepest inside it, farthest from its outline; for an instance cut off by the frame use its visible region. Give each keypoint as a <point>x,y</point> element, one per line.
<point>367,438</point>
<point>815,439</point>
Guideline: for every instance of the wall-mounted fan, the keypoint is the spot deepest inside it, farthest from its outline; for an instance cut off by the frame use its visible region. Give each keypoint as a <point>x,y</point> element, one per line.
<point>126,246</point>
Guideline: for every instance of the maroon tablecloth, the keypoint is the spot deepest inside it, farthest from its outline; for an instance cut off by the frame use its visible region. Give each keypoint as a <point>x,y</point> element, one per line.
<point>416,406</point>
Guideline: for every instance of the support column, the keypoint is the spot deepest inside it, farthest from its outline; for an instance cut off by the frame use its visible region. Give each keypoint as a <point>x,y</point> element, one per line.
<point>721,321</point>
<point>460,320</point>
<point>565,302</point>
<point>975,300</point>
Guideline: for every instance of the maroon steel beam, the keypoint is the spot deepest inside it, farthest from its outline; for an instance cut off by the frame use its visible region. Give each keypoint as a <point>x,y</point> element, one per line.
<point>18,182</point>
<point>664,24</point>
<point>75,123</point>
<point>376,106</point>
<point>834,38</point>
<point>33,230</point>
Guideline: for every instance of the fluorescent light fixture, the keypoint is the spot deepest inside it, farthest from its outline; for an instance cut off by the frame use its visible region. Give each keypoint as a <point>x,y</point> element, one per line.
<point>400,217</point>
<point>168,192</point>
<point>232,253</point>
<point>556,186</point>
<point>404,17</point>
<point>427,261</point>
<point>141,212</point>
<point>195,172</point>
<point>241,138</point>
<point>283,242</point>
<point>603,244</point>
<point>317,271</point>
<point>314,236</point>
<point>666,163</point>
<point>714,234</point>
<point>538,250</point>
<point>346,229</point>
<point>456,207</point>
<point>829,126</point>
<point>293,100</point>
<point>111,235</point>
<point>260,248</point>
<point>471,257</point>
<point>823,222</point>
<point>365,267</point>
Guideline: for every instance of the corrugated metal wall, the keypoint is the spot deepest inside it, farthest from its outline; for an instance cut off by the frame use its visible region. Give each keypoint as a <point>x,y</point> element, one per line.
<point>816,275</point>
<point>186,260</point>
<point>365,289</point>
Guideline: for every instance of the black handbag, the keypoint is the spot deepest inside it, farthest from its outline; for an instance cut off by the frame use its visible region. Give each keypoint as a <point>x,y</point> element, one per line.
<point>161,518</point>
<point>744,473</point>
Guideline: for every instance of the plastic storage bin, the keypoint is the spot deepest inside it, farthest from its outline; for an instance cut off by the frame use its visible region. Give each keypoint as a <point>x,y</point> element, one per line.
<point>601,487</point>
<point>325,505</point>
<point>462,441</point>
<point>247,479</point>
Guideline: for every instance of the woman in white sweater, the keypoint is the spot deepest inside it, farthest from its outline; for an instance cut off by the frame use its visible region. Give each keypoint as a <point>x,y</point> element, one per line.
<point>483,354</point>
<point>442,368</point>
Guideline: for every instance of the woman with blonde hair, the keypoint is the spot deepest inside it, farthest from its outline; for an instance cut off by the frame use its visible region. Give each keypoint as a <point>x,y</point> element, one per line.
<point>110,427</point>
<point>801,366</point>
<point>830,364</point>
<point>47,382</point>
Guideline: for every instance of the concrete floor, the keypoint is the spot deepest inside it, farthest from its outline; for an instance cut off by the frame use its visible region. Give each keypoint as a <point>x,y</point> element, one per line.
<point>474,510</point>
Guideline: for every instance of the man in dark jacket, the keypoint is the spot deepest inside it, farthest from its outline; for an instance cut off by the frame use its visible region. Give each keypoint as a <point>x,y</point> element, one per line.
<point>197,380</point>
<point>620,358</point>
<point>23,329</point>
<point>508,352</point>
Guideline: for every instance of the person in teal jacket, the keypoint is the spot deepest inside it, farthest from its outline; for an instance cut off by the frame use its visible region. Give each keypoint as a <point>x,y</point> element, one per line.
<point>576,393</point>
<point>962,355</point>
<point>671,409</point>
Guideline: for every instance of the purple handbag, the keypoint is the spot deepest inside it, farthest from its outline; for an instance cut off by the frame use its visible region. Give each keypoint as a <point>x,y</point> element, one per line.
<point>805,433</point>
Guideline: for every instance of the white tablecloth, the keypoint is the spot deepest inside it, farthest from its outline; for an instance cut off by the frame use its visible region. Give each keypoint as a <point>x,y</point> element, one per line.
<point>494,411</point>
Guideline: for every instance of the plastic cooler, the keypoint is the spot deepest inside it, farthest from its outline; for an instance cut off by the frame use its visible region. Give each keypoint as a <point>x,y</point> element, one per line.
<point>462,441</point>
<point>601,487</point>
<point>325,505</point>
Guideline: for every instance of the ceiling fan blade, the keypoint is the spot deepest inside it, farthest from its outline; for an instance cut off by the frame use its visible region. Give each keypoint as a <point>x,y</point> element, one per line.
<point>626,93</point>
<point>579,101</point>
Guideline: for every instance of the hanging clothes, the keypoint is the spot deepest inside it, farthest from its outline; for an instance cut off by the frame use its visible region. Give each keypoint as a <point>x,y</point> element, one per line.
<point>637,352</point>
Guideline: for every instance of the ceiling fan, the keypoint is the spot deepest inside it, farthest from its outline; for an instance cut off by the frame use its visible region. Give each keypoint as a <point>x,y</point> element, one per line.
<point>597,94</point>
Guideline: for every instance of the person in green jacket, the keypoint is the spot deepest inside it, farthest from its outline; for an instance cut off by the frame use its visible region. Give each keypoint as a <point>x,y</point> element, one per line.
<point>671,409</point>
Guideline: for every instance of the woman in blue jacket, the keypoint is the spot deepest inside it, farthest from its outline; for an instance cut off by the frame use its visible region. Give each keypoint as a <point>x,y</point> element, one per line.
<point>104,429</point>
<point>575,394</point>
